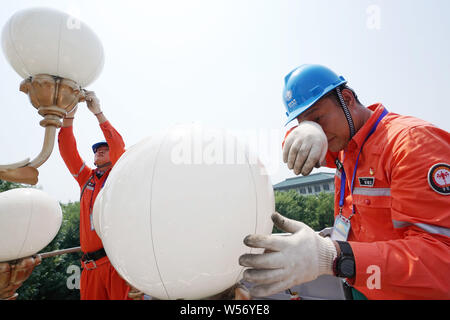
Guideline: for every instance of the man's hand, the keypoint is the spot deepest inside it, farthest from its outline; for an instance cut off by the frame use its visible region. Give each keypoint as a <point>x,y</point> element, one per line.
<point>326,232</point>
<point>288,260</point>
<point>305,147</point>
<point>236,292</point>
<point>135,294</point>
<point>93,103</point>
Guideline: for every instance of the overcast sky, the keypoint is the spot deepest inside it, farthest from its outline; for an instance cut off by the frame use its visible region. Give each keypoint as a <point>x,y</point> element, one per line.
<point>222,63</point>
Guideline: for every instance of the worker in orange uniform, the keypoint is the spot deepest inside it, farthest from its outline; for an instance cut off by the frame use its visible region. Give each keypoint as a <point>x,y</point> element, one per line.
<point>391,235</point>
<point>99,279</point>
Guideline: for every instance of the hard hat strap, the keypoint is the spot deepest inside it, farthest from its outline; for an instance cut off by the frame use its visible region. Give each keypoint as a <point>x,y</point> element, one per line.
<point>346,112</point>
<point>104,165</point>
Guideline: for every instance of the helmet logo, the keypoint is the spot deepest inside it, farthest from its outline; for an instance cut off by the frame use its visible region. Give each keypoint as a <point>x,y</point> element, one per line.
<point>288,95</point>
<point>292,104</point>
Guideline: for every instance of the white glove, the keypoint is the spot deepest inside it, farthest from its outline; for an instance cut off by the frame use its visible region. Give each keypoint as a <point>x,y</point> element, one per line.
<point>288,260</point>
<point>305,147</point>
<point>93,103</point>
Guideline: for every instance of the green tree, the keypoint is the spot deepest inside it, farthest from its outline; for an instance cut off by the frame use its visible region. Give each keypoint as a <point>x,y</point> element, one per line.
<point>317,211</point>
<point>5,186</point>
<point>325,210</point>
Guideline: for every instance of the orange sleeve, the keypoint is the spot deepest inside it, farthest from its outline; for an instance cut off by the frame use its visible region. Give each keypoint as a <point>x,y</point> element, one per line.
<point>417,264</point>
<point>68,150</point>
<point>114,140</point>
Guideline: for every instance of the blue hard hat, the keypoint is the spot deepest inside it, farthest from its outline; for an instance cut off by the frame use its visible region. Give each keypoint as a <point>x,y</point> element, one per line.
<point>305,85</point>
<point>98,145</point>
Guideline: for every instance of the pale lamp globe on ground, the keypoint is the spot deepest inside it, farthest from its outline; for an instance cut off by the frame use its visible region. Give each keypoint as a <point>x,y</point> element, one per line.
<point>175,210</point>
<point>46,41</point>
<point>29,220</point>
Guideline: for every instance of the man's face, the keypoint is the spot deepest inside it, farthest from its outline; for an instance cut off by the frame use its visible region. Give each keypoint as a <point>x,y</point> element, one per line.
<point>331,118</point>
<point>101,156</point>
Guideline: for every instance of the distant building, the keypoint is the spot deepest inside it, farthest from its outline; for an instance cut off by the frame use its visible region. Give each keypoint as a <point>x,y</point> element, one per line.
<point>308,185</point>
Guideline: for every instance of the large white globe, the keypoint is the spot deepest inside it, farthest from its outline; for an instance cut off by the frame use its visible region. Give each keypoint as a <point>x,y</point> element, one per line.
<point>29,221</point>
<point>175,210</point>
<point>46,41</point>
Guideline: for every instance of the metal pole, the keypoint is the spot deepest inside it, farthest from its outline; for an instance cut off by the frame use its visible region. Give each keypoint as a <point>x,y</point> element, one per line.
<point>59,252</point>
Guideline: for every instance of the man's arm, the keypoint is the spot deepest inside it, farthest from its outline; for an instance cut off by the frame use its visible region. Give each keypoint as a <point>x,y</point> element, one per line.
<point>113,138</point>
<point>68,150</point>
<point>417,263</point>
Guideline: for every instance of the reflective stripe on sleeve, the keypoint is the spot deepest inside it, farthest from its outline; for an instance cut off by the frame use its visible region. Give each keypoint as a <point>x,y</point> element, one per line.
<point>427,227</point>
<point>82,167</point>
<point>378,192</point>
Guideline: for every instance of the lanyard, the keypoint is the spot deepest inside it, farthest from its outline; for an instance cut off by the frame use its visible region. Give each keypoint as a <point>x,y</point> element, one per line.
<point>106,174</point>
<point>343,175</point>
<point>92,195</point>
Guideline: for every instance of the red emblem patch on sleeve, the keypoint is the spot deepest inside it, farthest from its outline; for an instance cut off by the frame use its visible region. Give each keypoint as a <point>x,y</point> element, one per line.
<point>439,178</point>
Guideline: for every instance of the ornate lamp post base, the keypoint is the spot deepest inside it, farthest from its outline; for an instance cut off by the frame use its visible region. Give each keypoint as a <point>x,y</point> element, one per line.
<point>13,274</point>
<point>53,97</point>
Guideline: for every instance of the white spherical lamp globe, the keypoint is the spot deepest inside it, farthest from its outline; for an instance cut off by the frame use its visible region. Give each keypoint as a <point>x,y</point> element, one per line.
<point>29,220</point>
<point>46,41</point>
<point>175,210</point>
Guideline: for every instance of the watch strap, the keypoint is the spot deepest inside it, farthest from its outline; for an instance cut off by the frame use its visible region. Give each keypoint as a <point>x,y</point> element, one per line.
<point>346,253</point>
<point>346,249</point>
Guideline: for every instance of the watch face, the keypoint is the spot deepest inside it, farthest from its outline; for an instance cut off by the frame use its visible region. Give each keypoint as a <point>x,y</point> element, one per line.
<point>347,267</point>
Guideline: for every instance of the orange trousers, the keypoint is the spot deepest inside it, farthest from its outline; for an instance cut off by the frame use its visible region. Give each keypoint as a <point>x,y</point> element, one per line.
<point>102,282</point>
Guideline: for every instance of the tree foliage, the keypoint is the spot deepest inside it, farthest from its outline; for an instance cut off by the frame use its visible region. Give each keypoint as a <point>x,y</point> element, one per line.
<point>5,186</point>
<point>317,211</point>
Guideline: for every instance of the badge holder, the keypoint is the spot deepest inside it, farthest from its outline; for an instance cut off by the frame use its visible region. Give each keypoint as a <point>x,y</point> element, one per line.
<point>341,228</point>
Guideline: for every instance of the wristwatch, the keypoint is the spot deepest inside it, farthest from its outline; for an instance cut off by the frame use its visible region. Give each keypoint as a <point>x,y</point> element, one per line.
<point>344,264</point>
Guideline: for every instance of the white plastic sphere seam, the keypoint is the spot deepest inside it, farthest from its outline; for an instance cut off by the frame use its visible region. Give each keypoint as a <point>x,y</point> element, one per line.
<point>256,199</point>
<point>150,214</point>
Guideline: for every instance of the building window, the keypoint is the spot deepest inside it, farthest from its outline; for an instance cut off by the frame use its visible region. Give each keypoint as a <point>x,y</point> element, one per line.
<point>317,188</point>
<point>302,190</point>
<point>309,190</point>
<point>326,187</point>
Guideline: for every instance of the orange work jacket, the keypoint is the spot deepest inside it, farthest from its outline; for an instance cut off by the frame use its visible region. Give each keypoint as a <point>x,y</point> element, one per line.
<point>400,232</point>
<point>87,178</point>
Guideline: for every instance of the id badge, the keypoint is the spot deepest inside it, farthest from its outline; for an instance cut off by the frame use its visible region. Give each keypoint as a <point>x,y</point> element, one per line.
<point>341,229</point>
